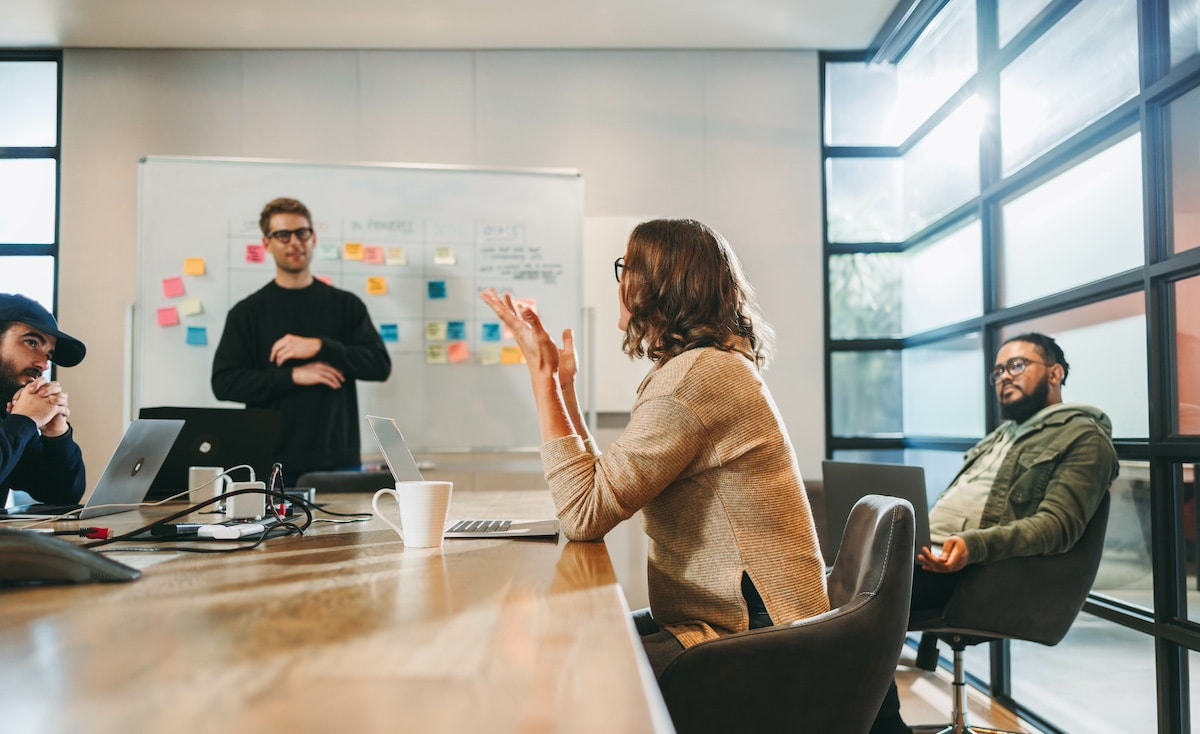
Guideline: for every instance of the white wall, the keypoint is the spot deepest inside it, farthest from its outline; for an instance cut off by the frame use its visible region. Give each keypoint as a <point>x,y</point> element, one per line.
<point>730,138</point>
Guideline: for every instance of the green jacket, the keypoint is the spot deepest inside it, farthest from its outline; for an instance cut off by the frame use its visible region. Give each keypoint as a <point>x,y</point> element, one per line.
<point>1049,485</point>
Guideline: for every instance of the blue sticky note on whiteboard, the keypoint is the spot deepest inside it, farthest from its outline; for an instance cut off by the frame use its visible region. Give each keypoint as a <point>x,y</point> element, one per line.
<point>437,289</point>
<point>197,336</point>
<point>491,332</point>
<point>390,333</point>
<point>456,331</point>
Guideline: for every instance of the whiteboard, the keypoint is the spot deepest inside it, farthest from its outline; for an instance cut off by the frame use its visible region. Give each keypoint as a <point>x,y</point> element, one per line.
<point>416,243</point>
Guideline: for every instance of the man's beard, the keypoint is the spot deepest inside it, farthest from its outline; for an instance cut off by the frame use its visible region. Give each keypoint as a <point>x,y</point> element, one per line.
<point>11,380</point>
<point>1025,408</point>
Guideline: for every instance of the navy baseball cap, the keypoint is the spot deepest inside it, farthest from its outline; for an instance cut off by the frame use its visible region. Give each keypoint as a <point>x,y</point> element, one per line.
<point>68,351</point>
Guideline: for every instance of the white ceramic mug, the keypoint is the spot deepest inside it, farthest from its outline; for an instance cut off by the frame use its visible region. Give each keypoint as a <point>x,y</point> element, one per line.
<point>424,507</point>
<point>205,482</point>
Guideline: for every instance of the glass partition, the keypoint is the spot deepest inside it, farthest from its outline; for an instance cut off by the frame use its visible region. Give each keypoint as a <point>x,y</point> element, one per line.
<point>942,280</point>
<point>29,114</point>
<point>864,199</point>
<point>28,195</point>
<point>1187,356</point>
<point>1014,15</point>
<point>1184,117</point>
<point>940,61</point>
<point>864,295</point>
<point>942,171</point>
<point>866,393</point>
<point>1185,30</point>
<point>948,373</point>
<point>860,104</point>
<point>31,275</point>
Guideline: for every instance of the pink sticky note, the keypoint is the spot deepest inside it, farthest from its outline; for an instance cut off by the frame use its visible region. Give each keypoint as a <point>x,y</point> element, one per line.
<point>168,317</point>
<point>373,255</point>
<point>459,352</point>
<point>255,253</point>
<point>173,287</point>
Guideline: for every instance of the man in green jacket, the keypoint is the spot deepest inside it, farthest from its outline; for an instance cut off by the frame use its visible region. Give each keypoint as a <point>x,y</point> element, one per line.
<point>1028,489</point>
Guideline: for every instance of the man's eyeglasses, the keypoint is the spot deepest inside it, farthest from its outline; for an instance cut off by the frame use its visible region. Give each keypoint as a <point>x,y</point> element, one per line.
<point>618,266</point>
<point>283,236</point>
<point>1014,367</point>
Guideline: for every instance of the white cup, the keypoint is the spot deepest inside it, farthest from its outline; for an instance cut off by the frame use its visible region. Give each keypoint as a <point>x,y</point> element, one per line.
<point>204,483</point>
<point>424,507</point>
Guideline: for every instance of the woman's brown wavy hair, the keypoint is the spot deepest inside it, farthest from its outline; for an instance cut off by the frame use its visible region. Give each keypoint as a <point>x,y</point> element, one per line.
<point>684,289</point>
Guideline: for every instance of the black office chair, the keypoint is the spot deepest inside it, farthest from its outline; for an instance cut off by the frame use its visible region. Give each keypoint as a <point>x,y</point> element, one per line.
<point>346,481</point>
<point>1034,598</point>
<point>825,675</point>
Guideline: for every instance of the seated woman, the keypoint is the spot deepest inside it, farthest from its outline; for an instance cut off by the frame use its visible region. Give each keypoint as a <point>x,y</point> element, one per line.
<point>705,456</point>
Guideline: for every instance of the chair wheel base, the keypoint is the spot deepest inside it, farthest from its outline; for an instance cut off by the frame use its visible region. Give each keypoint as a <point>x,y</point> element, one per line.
<point>934,729</point>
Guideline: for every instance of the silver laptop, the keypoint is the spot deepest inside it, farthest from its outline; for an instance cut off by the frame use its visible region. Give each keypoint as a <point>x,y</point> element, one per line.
<point>404,469</point>
<point>847,482</point>
<point>126,480</point>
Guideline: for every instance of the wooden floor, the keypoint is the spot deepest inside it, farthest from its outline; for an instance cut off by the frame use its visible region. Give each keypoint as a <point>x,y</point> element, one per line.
<point>925,701</point>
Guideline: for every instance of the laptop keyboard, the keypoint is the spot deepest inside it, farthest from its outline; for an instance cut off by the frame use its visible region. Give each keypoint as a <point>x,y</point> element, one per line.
<point>480,526</point>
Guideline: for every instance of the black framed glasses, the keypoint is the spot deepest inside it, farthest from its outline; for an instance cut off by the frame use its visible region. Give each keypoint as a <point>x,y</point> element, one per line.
<point>1014,367</point>
<point>618,266</point>
<point>283,236</point>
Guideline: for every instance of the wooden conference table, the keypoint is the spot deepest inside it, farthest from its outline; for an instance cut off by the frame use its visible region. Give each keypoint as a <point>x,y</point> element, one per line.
<point>342,630</point>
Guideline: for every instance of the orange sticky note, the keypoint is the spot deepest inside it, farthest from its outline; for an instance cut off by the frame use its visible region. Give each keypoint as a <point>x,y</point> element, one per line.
<point>255,253</point>
<point>168,317</point>
<point>193,266</point>
<point>373,255</point>
<point>173,287</point>
<point>376,286</point>
<point>459,352</point>
<point>511,355</point>
<point>353,251</point>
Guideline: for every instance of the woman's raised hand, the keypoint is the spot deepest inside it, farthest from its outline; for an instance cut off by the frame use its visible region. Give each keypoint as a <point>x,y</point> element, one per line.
<point>539,350</point>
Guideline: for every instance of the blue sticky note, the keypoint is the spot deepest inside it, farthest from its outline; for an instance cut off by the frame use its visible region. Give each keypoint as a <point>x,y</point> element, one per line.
<point>456,331</point>
<point>491,332</point>
<point>197,336</point>
<point>390,333</point>
<point>437,289</point>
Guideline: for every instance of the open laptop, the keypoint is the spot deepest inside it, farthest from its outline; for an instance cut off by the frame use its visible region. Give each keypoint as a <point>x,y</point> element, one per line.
<point>224,437</point>
<point>404,469</point>
<point>847,482</point>
<point>126,480</point>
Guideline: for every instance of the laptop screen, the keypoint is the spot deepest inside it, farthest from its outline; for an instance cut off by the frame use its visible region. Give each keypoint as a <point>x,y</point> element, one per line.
<point>395,450</point>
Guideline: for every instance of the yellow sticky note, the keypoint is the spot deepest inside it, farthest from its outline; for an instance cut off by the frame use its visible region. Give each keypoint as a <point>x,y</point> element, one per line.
<point>193,266</point>
<point>376,286</point>
<point>397,256</point>
<point>190,307</point>
<point>511,355</point>
<point>353,251</point>
<point>435,331</point>
<point>435,353</point>
<point>444,256</point>
<point>490,355</point>
<point>459,352</point>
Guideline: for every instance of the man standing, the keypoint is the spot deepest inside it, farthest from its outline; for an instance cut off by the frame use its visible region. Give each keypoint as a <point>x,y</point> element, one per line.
<point>297,346</point>
<point>1028,489</point>
<point>38,453</point>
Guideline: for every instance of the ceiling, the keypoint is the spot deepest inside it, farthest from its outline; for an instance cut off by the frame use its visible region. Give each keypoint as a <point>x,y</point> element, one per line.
<point>445,24</point>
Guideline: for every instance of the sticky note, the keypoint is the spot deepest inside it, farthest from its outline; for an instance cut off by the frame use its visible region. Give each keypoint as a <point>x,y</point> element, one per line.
<point>327,251</point>
<point>191,307</point>
<point>491,332</point>
<point>390,333</point>
<point>490,355</point>
<point>459,352</point>
<point>193,266</point>
<point>168,317</point>
<point>173,287</point>
<point>435,354</point>
<point>353,251</point>
<point>456,331</point>
<point>376,286</point>
<point>435,331</point>
<point>437,289</point>
<point>373,255</point>
<point>197,336</point>
<point>511,355</point>
<point>256,253</point>
<point>444,256</point>
<point>397,256</point>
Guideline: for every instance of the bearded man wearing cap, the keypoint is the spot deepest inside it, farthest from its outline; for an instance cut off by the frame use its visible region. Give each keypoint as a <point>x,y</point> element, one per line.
<point>38,453</point>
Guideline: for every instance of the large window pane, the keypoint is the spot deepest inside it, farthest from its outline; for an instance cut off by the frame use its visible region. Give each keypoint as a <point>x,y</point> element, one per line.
<point>1125,571</point>
<point>29,113</point>
<point>1187,355</point>
<point>864,199</point>
<point>1185,30</point>
<point>944,388</point>
<point>942,171</point>
<point>1105,345</point>
<point>942,280</point>
<point>30,276</point>
<point>1184,116</point>
<point>1014,15</point>
<point>941,60</point>
<point>28,189</point>
<point>864,295</point>
<point>860,104</point>
<point>1083,67</point>
<point>1080,226</point>
<point>866,393</point>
